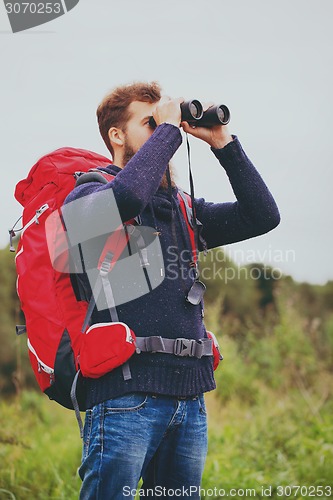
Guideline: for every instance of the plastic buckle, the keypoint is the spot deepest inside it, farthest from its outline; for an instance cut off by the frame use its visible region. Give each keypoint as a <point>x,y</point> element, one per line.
<point>106,264</point>
<point>184,347</point>
<point>131,229</point>
<point>21,329</point>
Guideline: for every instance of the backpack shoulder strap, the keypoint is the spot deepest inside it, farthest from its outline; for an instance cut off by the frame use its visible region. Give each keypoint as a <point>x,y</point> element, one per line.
<point>93,175</point>
<point>97,175</point>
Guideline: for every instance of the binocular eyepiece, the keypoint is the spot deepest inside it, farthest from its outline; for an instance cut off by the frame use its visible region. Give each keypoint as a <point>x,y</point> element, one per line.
<point>193,113</point>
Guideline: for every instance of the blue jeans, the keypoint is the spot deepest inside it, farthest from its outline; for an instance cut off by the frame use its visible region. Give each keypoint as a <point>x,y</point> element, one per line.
<point>161,439</point>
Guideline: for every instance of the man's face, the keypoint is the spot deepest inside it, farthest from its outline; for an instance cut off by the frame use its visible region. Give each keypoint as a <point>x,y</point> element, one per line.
<point>138,130</point>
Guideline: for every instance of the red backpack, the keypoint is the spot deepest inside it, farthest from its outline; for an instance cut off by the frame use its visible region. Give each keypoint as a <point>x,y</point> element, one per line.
<point>52,313</point>
<point>54,317</point>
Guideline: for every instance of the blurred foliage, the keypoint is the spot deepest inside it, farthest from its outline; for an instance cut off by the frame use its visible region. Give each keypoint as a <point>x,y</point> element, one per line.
<point>280,328</point>
<point>271,417</point>
<point>15,372</point>
<point>40,450</point>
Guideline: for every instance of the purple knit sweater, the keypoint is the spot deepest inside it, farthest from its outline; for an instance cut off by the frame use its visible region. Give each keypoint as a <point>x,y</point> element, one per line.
<point>164,311</point>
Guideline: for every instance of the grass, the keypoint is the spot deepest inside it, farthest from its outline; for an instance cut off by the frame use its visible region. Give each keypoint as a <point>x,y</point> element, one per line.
<point>270,424</point>
<point>276,441</point>
<point>39,450</point>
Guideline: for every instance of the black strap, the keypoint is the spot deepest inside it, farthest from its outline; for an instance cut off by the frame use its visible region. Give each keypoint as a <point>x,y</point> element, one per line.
<point>92,303</point>
<point>173,226</point>
<point>194,218</point>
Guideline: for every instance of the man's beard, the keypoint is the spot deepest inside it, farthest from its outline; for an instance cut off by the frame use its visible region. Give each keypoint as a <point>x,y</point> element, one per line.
<point>129,153</point>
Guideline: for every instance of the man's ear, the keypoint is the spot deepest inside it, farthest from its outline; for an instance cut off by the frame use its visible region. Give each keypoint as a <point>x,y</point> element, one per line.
<point>116,136</point>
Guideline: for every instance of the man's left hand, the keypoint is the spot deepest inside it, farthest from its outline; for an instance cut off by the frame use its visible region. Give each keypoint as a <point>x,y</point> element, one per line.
<point>217,137</point>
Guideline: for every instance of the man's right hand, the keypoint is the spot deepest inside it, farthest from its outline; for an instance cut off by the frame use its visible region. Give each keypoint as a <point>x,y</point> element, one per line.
<point>168,111</point>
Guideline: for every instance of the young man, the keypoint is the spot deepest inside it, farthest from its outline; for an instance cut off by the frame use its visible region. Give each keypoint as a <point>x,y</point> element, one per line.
<point>153,425</point>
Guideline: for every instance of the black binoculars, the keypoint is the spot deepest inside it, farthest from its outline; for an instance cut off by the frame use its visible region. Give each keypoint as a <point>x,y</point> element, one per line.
<point>193,113</point>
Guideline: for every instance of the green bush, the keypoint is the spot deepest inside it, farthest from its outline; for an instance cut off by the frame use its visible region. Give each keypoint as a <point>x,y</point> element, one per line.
<point>270,419</point>
<point>39,449</point>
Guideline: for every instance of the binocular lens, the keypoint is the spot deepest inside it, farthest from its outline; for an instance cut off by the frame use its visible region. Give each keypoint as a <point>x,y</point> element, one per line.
<point>194,109</point>
<point>192,113</point>
<point>223,114</point>
<point>220,114</point>
<point>215,115</point>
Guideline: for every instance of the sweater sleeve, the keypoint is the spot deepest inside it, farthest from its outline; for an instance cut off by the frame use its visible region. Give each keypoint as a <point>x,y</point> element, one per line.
<point>134,186</point>
<point>255,211</point>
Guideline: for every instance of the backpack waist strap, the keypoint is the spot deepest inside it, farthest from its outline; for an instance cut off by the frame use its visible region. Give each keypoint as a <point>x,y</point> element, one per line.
<point>179,346</point>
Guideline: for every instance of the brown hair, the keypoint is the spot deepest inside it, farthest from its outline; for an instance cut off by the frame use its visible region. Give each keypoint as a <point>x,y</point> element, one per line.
<point>113,110</point>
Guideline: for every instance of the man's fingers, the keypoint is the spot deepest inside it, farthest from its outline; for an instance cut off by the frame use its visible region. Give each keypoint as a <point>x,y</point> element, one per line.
<point>188,128</point>
<point>168,110</point>
<point>185,126</point>
<point>164,99</point>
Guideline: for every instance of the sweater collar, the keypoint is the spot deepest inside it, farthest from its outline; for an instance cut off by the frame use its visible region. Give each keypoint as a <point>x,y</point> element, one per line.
<point>114,170</point>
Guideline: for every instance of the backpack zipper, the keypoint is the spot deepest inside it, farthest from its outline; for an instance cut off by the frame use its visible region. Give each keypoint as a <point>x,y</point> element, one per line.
<point>35,218</point>
<point>129,337</point>
<point>41,365</point>
<point>13,231</point>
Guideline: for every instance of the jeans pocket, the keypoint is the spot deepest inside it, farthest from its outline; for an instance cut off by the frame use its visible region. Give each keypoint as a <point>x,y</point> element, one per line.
<point>202,404</point>
<point>126,403</point>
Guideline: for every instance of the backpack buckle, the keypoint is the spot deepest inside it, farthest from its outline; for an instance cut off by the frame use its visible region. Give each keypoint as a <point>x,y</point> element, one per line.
<point>184,347</point>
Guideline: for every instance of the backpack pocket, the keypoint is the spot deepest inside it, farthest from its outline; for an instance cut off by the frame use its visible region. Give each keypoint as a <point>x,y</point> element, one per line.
<point>217,356</point>
<point>43,372</point>
<point>105,346</point>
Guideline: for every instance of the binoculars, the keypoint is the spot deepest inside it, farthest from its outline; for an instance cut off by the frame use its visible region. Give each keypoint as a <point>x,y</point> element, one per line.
<point>193,113</point>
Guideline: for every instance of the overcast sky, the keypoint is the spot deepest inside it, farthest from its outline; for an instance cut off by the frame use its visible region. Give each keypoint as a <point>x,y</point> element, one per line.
<point>270,62</point>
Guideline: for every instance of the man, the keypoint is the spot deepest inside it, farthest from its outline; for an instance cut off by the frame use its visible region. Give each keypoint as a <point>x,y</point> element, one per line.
<point>153,425</point>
